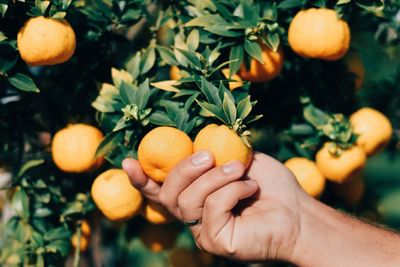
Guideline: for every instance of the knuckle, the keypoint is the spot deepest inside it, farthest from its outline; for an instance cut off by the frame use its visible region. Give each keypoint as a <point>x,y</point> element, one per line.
<point>182,203</point>
<point>164,200</point>
<point>211,202</point>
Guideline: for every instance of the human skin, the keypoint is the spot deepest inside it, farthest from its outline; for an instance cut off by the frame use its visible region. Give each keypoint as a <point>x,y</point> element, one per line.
<point>263,214</point>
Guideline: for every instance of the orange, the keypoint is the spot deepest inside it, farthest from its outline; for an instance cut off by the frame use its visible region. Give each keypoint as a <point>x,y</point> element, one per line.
<point>319,33</point>
<point>85,237</point>
<point>174,73</point>
<point>223,143</point>
<point>356,66</point>
<point>74,147</point>
<point>351,191</point>
<point>340,168</point>
<point>84,242</point>
<point>156,213</point>
<point>374,129</point>
<point>308,175</point>
<point>258,73</point>
<point>158,237</point>
<point>238,81</point>
<point>114,195</point>
<point>46,41</point>
<point>161,149</point>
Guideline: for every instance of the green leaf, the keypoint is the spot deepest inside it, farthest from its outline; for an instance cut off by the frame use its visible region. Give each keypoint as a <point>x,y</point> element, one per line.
<point>192,58</point>
<point>3,8</point>
<point>133,66</point>
<point>373,8</point>
<point>273,40</point>
<point>168,85</point>
<point>29,165</point>
<point>210,92</point>
<point>23,82</point>
<point>7,63</point>
<point>223,30</point>
<point>143,94</point>
<point>244,108</point>
<point>162,119</point>
<point>235,58</point>
<point>104,8</point>
<point>20,203</point>
<point>59,246</point>
<point>57,233</point>
<point>205,21</point>
<point>341,2</point>
<point>147,61</point>
<point>127,93</point>
<point>288,4</point>
<point>110,142</point>
<point>254,50</point>
<point>213,111</point>
<point>229,108</point>
<point>193,40</point>
<point>315,116</point>
<point>167,55</point>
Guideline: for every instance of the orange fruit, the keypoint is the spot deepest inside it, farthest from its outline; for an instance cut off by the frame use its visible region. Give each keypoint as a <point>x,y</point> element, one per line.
<point>158,237</point>
<point>223,143</point>
<point>319,33</point>
<point>258,73</point>
<point>373,127</point>
<point>85,228</point>
<point>340,168</point>
<point>174,73</point>
<point>114,195</point>
<point>352,191</point>
<point>238,81</point>
<point>74,147</point>
<point>156,213</point>
<point>308,175</point>
<point>46,41</point>
<point>84,242</point>
<point>356,66</point>
<point>161,149</point>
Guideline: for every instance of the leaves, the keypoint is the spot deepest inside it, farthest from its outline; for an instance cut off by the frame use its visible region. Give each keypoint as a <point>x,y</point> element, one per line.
<point>254,50</point>
<point>23,82</point>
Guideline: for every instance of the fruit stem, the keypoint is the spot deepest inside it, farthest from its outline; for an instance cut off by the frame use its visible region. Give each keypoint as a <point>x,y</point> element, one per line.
<point>77,253</point>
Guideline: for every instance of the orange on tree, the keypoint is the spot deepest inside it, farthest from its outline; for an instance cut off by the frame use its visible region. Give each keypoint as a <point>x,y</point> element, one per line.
<point>356,66</point>
<point>373,127</point>
<point>156,213</point>
<point>308,175</point>
<point>174,73</point>
<point>319,33</point>
<point>352,191</point>
<point>343,167</point>
<point>74,147</point>
<point>46,41</point>
<point>238,82</point>
<point>159,237</point>
<point>85,237</point>
<point>161,149</point>
<point>266,71</point>
<point>223,143</point>
<point>114,195</point>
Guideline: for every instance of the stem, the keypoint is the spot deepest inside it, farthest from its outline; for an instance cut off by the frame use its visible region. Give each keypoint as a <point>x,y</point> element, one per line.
<point>77,253</point>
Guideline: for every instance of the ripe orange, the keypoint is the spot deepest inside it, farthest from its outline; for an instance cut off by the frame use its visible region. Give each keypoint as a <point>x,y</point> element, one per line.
<point>74,147</point>
<point>258,73</point>
<point>156,213</point>
<point>174,73</point>
<point>340,168</point>
<point>238,81</point>
<point>114,195</point>
<point>308,175</point>
<point>356,66</point>
<point>373,127</point>
<point>223,143</point>
<point>351,191</point>
<point>161,149</point>
<point>158,237</point>
<point>84,242</point>
<point>85,237</point>
<point>46,41</point>
<point>319,33</point>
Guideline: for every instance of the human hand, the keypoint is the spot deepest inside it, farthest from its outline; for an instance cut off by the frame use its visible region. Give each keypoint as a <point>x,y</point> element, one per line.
<point>253,215</point>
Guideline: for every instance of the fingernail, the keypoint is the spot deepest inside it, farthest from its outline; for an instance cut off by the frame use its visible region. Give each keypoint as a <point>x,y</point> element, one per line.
<point>251,182</point>
<point>231,167</point>
<point>201,158</point>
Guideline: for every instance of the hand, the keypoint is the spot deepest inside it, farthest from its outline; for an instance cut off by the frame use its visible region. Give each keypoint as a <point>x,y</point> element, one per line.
<point>246,216</point>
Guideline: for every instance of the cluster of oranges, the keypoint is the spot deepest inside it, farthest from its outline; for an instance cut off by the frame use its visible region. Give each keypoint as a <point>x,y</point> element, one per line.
<point>313,33</point>
<point>374,132</point>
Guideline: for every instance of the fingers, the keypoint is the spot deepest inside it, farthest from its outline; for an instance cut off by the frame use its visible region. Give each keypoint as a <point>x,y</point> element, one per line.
<point>191,200</point>
<point>140,181</point>
<point>218,220</point>
<point>181,177</point>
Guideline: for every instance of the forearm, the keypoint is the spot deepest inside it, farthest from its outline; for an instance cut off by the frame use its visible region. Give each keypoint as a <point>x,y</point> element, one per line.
<point>330,238</point>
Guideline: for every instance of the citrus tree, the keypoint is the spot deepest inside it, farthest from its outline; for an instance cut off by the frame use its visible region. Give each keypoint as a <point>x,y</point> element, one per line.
<point>86,84</point>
